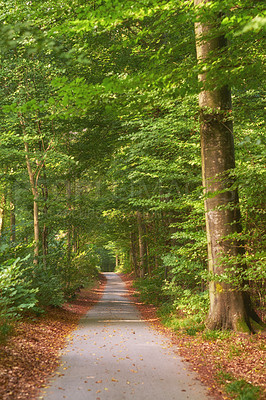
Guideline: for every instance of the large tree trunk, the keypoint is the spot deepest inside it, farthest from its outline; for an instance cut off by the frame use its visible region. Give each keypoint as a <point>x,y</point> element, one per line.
<point>229,308</point>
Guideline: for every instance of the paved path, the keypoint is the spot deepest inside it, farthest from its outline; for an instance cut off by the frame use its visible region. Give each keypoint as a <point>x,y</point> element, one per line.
<point>114,355</point>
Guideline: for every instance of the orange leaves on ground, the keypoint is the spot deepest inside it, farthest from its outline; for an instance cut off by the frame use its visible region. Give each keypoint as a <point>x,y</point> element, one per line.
<point>32,353</point>
<point>241,355</point>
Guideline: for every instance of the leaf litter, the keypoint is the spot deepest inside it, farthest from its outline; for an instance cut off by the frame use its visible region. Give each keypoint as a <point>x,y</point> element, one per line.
<point>31,355</point>
<point>241,355</point>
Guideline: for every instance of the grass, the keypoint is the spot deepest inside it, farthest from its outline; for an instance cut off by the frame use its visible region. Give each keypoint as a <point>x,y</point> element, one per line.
<point>237,389</point>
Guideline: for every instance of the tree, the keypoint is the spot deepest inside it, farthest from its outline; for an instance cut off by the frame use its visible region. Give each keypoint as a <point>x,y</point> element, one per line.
<point>229,308</point>
<point>100,98</point>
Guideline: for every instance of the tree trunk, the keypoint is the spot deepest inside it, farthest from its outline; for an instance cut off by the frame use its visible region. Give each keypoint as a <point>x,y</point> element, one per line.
<point>34,189</point>
<point>45,244</point>
<point>36,228</point>
<point>134,253</point>
<point>229,308</point>
<point>12,222</point>
<point>142,254</point>
<point>117,261</point>
<point>2,213</point>
<point>148,258</point>
<point>75,239</point>
<point>74,228</point>
<point>44,188</point>
<point>33,178</point>
<point>69,229</point>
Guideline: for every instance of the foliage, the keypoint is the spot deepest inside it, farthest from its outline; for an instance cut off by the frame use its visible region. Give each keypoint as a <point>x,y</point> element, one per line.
<point>150,289</point>
<point>85,268</point>
<point>100,100</point>
<point>17,293</point>
<point>187,302</point>
<point>179,308</point>
<point>184,273</point>
<point>48,282</point>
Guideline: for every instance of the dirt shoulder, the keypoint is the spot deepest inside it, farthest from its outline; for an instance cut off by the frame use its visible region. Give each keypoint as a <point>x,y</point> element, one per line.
<point>32,353</point>
<point>241,355</point>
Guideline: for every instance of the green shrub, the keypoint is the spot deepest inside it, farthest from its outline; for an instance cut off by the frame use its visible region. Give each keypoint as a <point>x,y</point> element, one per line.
<point>17,294</point>
<point>184,272</point>
<point>80,272</point>
<point>187,301</point>
<point>150,289</point>
<point>49,285</point>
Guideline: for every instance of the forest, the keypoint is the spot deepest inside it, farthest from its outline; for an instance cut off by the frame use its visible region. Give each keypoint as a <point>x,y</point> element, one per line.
<point>131,139</point>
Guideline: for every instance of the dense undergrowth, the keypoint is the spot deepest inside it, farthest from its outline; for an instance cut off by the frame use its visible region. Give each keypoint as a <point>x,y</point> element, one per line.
<point>179,308</point>
<point>27,288</point>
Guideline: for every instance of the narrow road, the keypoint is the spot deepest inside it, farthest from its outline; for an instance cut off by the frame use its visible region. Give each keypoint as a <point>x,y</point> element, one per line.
<point>114,355</point>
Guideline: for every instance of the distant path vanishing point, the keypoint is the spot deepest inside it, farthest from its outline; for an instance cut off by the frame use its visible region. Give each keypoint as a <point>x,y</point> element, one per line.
<point>114,355</point>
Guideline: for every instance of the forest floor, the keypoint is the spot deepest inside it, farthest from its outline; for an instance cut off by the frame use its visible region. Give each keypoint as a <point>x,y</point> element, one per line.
<point>217,361</point>
<point>32,353</point>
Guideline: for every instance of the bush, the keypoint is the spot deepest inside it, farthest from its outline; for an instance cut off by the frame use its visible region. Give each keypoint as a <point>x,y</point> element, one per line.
<point>187,301</point>
<point>183,271</point>
<point>179,308</point>
<point>49,285</point>
<point>17,292</point>
<point>81,271</point>
<point>150,288</point>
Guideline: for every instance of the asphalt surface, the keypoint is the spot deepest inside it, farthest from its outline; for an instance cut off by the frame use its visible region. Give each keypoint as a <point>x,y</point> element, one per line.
<point>114,355</point>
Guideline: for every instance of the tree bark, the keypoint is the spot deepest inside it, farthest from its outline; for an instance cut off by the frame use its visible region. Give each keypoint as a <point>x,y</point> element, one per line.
<point>12,222</point>
<point>2,213</point>
<point>34,189</point>
<point>117,261</point>
<point>45,193</point>
<point>133,251</point>
<point>69,228</point>
<point>229,308</point>
<point>142,254</point>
